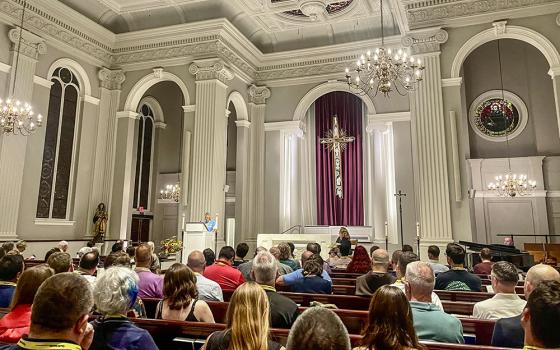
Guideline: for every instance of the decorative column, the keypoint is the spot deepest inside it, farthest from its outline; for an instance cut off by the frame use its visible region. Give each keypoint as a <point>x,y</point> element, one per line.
<point>209,140</point>
<point>257,109</point>
<point>554,73</point>
<point>188,122</point>
<point>242,181</point>
<point>110,92</point>
<point>13,148</point>
<point>428,130</point>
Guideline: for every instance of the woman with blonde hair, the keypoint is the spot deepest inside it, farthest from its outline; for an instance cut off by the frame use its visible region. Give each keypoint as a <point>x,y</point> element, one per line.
<point>247,322</point>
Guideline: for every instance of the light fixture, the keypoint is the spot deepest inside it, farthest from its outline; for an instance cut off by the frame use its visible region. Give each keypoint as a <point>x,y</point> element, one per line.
<point>17,117</point>
<point>509,185</point>
<point>171,192</point>
<point>385,70</point>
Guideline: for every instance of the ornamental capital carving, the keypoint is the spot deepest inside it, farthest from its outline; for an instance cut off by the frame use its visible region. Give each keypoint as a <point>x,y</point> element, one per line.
<point>425,41</point>
<point>111,79</point>
<point>31,45</point>
<point>258,94</point>
<point>211,69</point>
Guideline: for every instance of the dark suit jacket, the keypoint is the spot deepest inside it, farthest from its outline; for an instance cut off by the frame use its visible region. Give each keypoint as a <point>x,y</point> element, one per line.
<point>508,333</point>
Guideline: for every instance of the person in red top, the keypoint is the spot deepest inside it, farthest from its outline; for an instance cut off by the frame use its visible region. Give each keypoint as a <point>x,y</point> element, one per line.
<point>16,323</point>
<point>484,267</point>
<point>222,271</point>
<point>361,262</point>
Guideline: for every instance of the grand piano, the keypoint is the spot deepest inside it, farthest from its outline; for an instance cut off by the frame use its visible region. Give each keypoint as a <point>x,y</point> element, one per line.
<point>500,252</point>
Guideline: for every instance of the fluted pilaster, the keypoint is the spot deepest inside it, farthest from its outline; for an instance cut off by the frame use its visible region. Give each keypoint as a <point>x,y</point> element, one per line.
<point>242,181</point>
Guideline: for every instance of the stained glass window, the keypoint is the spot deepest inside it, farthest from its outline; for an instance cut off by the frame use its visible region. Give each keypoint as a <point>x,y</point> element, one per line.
<point>55,185</point>
<point>144,158</point>
<point>496,117</point>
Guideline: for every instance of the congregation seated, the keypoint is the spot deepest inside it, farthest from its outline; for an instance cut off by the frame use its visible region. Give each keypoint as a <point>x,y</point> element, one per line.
<point>16,323</point>
<point>315,248</point>
<point>118,246</point>
<point>51,252</point>
<point>283,311</point>
<point>318,328</point>
<point>406,258</point>
<point>63,246</point>
<point>294,277</point>
<point>180,300</point>
<point>222,272</point>
<point>508,332</point>
<point>247,322</point>
<point>282,268</point>
<point>286,256</point>
<point>485,266</point>
<point>395,259</point>
<point>131,252</point>
<point>430,322</point>
<point>433,259</point>
<point>56,327</point>
<point>207,289</point>
<point>372,249</point>
<point>88,266</point>
<point>114,294</point>
<point>240,253</point>
<point>313,281</point>
<point>155,266</point>
<point>209,256</point>
<point>505,302</point>
<point>247,267</point>
<point>367,284</point>
<point>60,262</point>
<point>360,263</point>
<point>151,284</point>
<point>457,278</point>
<point>336,261</point>
<point>389,324</point>
<point>540,317</point>
<point>407,248</point>
<point>11,267</point>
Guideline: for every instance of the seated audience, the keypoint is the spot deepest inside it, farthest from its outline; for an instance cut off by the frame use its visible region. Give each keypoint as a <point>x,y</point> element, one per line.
<point>318,328</point>
<point>372,249</point>
<point>151,284</point>
<point>51,252</point>
<point>16,323</point>
<point>389,325</point>
<point>405,259</point>
<point>312,281</point>
<point>209,256</point>
<point>11,267</point>
<point>59,315</point>
<point>315,248</point>
<point>21,246</point>
<point>240,253</point>
<point>60,262</point>
<point>367,284</point>
<point>407,248</point>
<point>361,263</point>
<point>283,311</point>
<point>122,259</point>
<point>88,266</point>
<point>63,246</point>
<point>180,301</point>
<point>433,256</point>
<point>114,294</point>
<point>228,277</point>
<point>458,278</point>
<point>540,317</point>
<point>247,322</point>
<point>207,289</point>
<point>155,267</point>
<point>7,247</point>
<point>509,241</point>
<point>82,251</point>
<point>430,322</point>
<point>118,246</point>
<point>246,267</point>
<point>336,261</point>
<point>395,259</point>
<point>282,268</point>
<point>286,256</point>
<point>485,266</point>
<point>292,250</point>
<point>508,332</point>
<point>131,251</point>
<point>297,275</point>
<point>505,302</point>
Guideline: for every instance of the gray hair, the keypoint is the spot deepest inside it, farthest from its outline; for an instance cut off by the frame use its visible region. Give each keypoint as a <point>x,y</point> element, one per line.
<point>318,328</point>
<point>420,276</point>
<point>264,267</point>
<point>116,290</point>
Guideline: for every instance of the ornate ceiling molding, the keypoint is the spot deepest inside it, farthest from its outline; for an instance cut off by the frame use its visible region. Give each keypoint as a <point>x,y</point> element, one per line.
<point>425,41</point>
<point>31,45</point>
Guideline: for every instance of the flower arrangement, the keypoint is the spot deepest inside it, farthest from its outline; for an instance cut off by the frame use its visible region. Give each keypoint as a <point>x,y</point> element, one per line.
<point>171,246</point>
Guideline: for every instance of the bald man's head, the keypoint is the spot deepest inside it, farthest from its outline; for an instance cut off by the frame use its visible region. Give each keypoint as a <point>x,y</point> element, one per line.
<point>380,260</point>
<point>305,256</point>
<point>143,255</point>
<point>537,274</point>
<point>196,261</point>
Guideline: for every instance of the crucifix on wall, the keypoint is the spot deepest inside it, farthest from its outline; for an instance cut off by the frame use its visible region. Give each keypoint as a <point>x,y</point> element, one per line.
<point>336,141</point>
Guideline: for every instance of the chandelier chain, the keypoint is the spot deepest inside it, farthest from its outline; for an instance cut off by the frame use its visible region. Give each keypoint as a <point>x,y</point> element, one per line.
<point>18,47</point>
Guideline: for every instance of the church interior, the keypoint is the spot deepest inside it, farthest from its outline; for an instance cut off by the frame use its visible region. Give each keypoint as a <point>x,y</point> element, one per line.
<point>211,123</point>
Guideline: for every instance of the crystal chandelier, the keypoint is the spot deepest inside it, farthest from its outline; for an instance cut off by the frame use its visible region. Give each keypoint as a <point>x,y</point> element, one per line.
<point>385,70</point>
<point>17,117</point>
<point>509,185</point>
<point>171,192</point>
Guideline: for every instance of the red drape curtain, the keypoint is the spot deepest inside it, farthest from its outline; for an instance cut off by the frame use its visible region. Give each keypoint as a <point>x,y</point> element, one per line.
<point>332,210</point>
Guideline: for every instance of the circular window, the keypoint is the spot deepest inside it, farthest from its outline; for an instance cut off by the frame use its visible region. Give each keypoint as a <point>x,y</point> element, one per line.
<point>492,117</point>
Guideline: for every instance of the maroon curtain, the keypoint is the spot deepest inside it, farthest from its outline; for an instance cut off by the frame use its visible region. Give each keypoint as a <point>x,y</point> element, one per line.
<point>332,210</point>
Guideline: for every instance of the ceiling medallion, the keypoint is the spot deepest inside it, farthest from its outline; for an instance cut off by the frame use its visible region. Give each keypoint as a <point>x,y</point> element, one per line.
<point>316,9</point>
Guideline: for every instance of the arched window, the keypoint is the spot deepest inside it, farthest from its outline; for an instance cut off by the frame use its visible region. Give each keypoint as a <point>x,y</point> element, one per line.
<point>144,158</point>
<point>56,183</point>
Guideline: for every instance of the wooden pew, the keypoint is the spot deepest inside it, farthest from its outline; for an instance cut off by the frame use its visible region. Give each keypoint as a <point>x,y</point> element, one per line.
<point>337,281</point>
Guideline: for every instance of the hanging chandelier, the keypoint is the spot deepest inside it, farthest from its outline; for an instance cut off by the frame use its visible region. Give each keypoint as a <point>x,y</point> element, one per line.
<point>16,117</point>
<point>385,70</point>
<point>171,192</point>
<point>509,185</point>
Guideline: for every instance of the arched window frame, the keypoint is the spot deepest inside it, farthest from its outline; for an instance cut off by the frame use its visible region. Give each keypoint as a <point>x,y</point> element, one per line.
<point>140,152</point>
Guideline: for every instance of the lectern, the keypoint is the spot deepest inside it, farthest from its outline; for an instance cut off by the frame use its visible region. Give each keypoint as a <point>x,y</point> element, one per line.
<point>196,237</point>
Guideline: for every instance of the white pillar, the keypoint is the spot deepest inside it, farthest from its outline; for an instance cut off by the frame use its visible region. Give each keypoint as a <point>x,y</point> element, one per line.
<point>209,140</point>
<point>13,148</point>
<point>554,73</point>
<point>242,181</point>
<point>183,207</point>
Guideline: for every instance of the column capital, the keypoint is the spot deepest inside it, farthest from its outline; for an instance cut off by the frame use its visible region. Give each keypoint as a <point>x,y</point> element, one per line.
<point>210,69</point>
<point>554,72</point>
<point>258,94</point>
<point>111,79</point>
<point>425,40</point>
<point>189,108</point>
<point>31,45</point>
<point>243,123</point>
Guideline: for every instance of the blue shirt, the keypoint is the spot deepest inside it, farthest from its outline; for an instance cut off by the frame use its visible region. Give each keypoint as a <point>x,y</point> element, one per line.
<point>297,275</point>
<point>432,324</point>
<point>312,284</point>
<point>6,292</point>
<point>120,334</point>
<point>210,225</point>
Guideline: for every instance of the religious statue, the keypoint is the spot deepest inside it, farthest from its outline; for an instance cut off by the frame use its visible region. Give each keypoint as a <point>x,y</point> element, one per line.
<point>336,141</point>
<point>100,221</point>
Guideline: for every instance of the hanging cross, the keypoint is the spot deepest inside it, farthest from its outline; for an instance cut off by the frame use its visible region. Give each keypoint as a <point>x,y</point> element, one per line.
<point>336,141</point>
